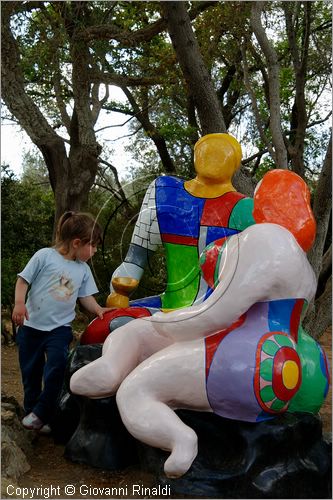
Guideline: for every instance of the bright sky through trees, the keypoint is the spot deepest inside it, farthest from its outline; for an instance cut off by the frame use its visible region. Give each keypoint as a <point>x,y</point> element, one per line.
<point>15,142</point>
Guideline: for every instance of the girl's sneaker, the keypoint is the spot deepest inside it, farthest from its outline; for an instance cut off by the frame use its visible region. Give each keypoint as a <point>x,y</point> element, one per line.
<point>46,429</point>
<point>32,422</point>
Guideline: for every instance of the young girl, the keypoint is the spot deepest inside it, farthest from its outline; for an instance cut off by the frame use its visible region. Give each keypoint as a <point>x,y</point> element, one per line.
<point>58,276</point>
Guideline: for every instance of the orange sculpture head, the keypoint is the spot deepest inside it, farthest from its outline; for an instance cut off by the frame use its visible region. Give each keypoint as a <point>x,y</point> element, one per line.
<point>282,197</point>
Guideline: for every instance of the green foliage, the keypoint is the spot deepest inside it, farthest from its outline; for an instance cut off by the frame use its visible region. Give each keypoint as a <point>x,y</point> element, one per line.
<point>27,225</point>
<point>34,170</point>
<point>265,166</point>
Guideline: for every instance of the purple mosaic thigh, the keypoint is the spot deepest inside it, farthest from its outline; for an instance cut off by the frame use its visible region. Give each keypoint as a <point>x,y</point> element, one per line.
<point>230,382</point>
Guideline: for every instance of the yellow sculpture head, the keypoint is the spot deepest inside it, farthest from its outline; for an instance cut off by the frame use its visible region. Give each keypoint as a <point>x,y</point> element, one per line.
<point>217,156</point>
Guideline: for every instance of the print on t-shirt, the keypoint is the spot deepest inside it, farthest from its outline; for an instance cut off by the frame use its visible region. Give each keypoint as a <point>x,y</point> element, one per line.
<point>63,289</point>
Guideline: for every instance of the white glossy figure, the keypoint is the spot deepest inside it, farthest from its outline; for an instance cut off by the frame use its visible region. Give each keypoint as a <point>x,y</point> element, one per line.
<point>158,364</point>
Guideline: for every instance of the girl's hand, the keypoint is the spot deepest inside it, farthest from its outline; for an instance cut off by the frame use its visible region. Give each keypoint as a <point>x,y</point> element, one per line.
<point>101,310</point>
<point>19,313</point>
<point>93,307</point>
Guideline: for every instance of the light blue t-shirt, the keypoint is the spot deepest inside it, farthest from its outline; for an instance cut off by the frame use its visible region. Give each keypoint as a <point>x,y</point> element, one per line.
<point>56,283</point>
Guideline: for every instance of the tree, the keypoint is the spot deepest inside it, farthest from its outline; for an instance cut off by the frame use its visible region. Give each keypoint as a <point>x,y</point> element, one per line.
<point>292,147</point>
<point>318,318</point>
<point>55,30</point>
<point>71,176</point>
<point>50,66</point>
<point>251,68</point>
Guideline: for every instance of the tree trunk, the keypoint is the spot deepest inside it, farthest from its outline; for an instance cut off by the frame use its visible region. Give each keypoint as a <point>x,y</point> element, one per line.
<point>71,177</point>
<point>318,316</point>
<point>193,67</point>
<point>273,83</point>
<point>322,206</point>
<point>70,182</point>
<point>299,117</point>
<point>243,182</point>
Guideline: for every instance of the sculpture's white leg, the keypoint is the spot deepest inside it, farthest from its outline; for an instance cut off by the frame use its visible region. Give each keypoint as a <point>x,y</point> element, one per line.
<point>122,351</point>
<point>171,378</point>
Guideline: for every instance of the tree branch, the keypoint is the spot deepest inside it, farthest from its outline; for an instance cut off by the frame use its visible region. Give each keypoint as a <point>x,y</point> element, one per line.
<point>322,206</point>
<point>120,192</point>
<point>98,104</point>
<point>193,67</point>
<point>126,37</point>
<point>142,116</point>
<point>82,119</point>
<point>22,106</point>
<point>60,103</point>
<point>117,125</point>
<point>96,76</point>
<point>126,135</point>
<point>318,122</point>
<point>253,157</point>
<point>258,119</point>
<point>133,38</point>
<point>299,57</point>
<point>274,85</point>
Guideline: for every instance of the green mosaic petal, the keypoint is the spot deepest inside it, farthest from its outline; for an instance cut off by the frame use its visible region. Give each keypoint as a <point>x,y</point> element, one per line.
<point>202,258</point>
<point>241,215</point>
<point>270,347</point>
<point>267,393</point>
<point>183,275</point>
<point>283,340</point>
<point>217,266</point>
<point>266,369</point>
<point>278,404</point>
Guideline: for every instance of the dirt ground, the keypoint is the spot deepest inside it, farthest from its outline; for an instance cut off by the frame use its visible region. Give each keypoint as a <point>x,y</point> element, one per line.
<point>50,468</point>
<point>48,465</point>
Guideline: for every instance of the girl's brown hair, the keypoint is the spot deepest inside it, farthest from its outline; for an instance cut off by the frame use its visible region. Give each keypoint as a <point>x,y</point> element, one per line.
<point>72,225</point>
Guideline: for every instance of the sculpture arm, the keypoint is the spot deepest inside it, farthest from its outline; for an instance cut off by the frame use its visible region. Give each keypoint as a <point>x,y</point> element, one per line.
<point>145,239</point>
<point>262,263</point>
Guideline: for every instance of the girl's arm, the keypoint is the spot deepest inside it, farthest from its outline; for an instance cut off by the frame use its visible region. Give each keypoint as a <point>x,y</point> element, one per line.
<point>20,311</point>
<point>90,304</point>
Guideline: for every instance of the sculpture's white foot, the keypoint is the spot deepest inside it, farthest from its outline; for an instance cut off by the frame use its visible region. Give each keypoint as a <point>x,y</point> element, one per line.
<point>182,456</point>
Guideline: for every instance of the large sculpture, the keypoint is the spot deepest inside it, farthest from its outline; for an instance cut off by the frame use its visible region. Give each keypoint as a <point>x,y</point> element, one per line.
<point>239,353</point>
<point>184,217</point>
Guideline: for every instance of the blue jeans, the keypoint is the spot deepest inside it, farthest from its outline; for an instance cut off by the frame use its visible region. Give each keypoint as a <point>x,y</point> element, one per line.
<point>43,359</point>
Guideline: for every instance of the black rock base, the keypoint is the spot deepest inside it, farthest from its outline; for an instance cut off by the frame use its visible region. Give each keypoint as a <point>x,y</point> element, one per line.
<point>99,438</point>
<point>282,458</point>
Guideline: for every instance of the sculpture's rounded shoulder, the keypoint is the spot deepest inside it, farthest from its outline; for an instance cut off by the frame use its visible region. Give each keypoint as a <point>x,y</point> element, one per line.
<point>271,241</point>
<point>268,248</point>
<point>169,181</point>
<point>268,232</point>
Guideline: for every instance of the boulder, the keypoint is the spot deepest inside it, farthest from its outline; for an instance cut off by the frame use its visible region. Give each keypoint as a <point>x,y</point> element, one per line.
<point>92,428</point>
<point>16,442</point>
<point>285,457</point>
